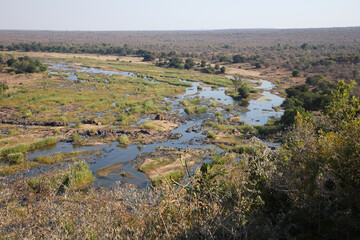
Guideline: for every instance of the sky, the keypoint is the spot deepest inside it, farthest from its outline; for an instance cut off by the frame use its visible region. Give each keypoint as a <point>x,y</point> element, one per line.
<point>109,15</point>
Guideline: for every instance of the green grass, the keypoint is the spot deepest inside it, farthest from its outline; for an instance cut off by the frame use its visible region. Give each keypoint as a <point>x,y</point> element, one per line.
<point>82,76</point>
<point>76,177</point>
<point>211,134</point>
<point>213,104</point>
<point>24,148</point>
<point>196,110</point>
<point>174,175</point>
<point>149,125</point>
<point>218,126</point>
<point>58,157</point>
<point>242,149</point>
<point>154,164</point>
<point>15,158</point>
<point>77,138</point>
<point>169,75</point>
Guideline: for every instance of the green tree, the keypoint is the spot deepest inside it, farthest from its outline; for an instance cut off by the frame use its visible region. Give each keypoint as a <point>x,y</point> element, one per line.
<point>203,63</point>
<point>222,69</point>
<point>296,73</point>
<point>237,81</point>
<point>175,62</point>
<point>189,63</point>
<point>239,59</point>
<point>148,57</point>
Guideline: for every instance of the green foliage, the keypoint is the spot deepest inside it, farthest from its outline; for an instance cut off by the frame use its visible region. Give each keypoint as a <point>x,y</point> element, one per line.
<point>242,149</point>
<point>169,177</point>
<point>14,158</point>
<point>301,100</point>
<point>239,59</point>
<point>76,177</point>
<point>319,164</point>
<point>57,157</point>
<point>175,62</point>
<point>26,65</point>
<point>196,109</point>
<point>314,80</point>
<point>148,57</point>
<point>209,69</point>
<point>295,73</point>
<point>244,90</point>
<point>3,87</point>
<point>211,134</point>
<point>222,69</point>
<point>124,139</point>
<point>76,138</point>
<point>189,63</point>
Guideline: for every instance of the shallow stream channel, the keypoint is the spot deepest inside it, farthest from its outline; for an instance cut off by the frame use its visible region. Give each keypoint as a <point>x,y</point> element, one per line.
<point>257,112</point>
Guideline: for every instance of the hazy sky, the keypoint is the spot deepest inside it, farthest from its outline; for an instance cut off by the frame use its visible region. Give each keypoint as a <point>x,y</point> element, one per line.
<point>176,14</point>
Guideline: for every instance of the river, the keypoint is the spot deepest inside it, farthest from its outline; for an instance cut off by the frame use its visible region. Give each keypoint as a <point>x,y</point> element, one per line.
<point>258,112</point>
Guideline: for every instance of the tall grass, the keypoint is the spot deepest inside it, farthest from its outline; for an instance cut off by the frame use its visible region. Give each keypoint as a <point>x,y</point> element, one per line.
<point>24,148</point>
<point>76,177</point>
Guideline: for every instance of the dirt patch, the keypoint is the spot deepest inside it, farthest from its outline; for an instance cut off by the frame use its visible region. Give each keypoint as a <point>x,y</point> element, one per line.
<point>165,160</point>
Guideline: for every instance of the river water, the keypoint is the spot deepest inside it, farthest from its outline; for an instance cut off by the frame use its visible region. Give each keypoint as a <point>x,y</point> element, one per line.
<point>258,113</point>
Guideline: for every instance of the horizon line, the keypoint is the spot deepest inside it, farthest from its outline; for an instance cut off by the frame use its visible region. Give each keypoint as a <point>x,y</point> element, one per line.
<point>179,30</point>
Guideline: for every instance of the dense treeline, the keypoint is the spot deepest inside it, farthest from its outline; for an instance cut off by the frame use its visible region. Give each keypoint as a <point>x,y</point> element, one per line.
<point>332,61</point>
<point>72,48</point>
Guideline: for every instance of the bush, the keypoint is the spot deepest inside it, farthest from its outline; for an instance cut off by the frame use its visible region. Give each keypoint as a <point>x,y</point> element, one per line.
<point>189,63</point>
<point>76,177</point>
<point>124,139</point>
<point>244,90</point>
<point>196,109</point>
<point>296,73</point>
<point>314,80</point>
<point>76,138</point>
<point>222,69</point>
<point>239,59</point>
<point>3,87</point>
<point>148,57</point>
<point>211,134</point>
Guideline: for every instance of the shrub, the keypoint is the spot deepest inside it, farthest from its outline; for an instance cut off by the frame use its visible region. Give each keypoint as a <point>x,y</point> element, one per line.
<point>124,139</point>
<point>76,177</point>
<point>76,138</point>
<point>211,134</point>
<point>15,158</point>
<point>296,73</point>
<point>3,87</point>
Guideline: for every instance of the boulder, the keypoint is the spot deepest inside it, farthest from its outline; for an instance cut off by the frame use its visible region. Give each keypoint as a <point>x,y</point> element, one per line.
<point>160,117</point>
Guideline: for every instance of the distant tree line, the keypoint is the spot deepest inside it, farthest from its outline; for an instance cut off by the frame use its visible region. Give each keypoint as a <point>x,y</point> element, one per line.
<point>103,48</point>
<point>334,62</point>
